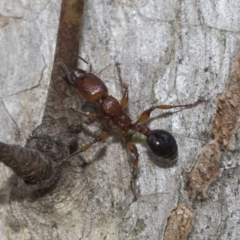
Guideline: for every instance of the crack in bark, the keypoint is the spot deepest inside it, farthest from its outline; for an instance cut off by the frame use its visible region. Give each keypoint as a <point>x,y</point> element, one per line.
<point>18,130</point>
<point>31,88</point>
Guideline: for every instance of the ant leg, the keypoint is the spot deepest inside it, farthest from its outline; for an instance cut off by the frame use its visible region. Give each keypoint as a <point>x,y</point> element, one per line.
<point>146,114</point>
<point>124,100</point>
<point>68,75</point>
<point>101,137</point>
<point>133,149</point>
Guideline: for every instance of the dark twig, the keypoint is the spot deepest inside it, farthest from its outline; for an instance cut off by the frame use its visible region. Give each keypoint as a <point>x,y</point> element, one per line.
<point>37,164</point>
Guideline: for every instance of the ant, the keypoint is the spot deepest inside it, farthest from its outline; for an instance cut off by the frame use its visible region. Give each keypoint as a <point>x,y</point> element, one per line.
<point>93,89</point>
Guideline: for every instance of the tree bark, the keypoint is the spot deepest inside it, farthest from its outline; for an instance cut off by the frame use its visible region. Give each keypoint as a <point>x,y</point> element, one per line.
<point>170,53</point>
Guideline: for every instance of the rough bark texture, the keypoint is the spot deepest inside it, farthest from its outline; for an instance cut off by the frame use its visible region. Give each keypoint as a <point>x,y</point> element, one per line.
<point>170,53</point>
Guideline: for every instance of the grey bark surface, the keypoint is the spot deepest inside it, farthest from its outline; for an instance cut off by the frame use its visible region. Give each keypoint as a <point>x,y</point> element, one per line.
<point>170,53</point>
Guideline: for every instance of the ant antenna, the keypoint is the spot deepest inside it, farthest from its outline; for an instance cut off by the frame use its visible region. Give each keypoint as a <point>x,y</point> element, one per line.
<point>90,65</point>
<point>65,69</point>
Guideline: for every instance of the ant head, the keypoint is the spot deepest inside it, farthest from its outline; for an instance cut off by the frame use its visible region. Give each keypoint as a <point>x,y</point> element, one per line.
<point>163,145</point>
<point>71,76</point>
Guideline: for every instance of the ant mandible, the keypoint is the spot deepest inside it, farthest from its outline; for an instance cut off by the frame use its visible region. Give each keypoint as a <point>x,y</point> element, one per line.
<point>93,89</point>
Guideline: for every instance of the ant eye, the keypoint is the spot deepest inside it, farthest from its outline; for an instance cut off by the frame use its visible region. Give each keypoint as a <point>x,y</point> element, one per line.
<point>85,89</point>
<point>163,145</point>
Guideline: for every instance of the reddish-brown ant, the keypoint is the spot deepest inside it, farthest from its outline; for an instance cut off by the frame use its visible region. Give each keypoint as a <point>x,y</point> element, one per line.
<point>93,89</point>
